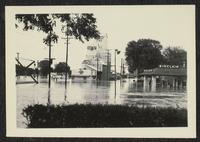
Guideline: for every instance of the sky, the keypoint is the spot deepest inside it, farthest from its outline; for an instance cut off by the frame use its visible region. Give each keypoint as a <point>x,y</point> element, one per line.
<point>171,25</point>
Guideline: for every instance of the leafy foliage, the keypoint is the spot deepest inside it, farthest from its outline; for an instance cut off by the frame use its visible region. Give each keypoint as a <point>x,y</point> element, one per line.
<point>81,26</point>
<point>72,116</point>
<point>143,54</point>
<point>174,56</point>
<point>61,68</point>
<point>44,67</point>
<point>50,38</point>
<point>43,22</point>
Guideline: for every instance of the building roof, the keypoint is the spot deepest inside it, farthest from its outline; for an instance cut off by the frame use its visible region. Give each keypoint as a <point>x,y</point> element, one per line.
<point>81,72</point>
<point>165,72</point>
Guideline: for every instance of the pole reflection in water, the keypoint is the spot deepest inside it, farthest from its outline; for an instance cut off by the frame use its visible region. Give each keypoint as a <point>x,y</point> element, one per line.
<point>97,82</point>
<point>65,91</point>
<point>115,90</point>
<point>65,94</point>
<point>49,96</point>
<point>107,92</point>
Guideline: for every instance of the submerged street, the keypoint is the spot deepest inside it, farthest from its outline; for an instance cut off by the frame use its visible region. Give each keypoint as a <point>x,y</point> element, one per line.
<point>102,92</point>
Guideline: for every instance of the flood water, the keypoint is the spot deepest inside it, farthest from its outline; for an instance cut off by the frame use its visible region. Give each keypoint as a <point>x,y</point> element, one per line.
<point>127,93</point>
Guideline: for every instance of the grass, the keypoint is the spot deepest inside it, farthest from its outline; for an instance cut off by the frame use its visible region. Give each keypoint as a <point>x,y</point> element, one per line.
<point>88,116</point>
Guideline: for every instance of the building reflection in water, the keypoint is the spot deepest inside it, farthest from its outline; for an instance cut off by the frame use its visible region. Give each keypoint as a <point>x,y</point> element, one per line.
<point>127,93</point>
<point>90,92</point>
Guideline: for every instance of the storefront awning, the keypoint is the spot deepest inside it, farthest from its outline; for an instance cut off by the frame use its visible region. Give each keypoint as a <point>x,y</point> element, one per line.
<point>165,72</point>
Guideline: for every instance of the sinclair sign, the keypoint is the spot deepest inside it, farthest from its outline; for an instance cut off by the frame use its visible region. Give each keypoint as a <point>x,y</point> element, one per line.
<point>169,66</point>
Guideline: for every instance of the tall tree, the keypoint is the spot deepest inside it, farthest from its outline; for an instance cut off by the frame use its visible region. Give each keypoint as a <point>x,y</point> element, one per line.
<point>175,56</point>
<point>143,54</point>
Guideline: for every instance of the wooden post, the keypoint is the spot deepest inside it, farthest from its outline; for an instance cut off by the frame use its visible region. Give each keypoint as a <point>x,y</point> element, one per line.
<point>66,58</point>
<point>181,84</point>
<point>145,83</point>
<point>107,65</point>
<point>50,60</point>
<point>115,76</point>
<point>174,83</point>
<point>97,67</point>
<point>153,83</point>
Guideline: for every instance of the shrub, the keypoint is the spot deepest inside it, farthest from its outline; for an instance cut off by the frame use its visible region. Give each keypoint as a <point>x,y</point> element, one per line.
<point>80,115</point>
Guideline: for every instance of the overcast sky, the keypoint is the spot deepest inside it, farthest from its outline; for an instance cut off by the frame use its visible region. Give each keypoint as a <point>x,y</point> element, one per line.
<point>171,25</point>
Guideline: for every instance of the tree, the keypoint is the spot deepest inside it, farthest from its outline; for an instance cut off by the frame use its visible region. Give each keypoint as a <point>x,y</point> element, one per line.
<point>143,54</point>
<point>174,56</point>
<point>44,67</point>
<point>81,26</point>
<point>41,22</point>
<point>61,68</point>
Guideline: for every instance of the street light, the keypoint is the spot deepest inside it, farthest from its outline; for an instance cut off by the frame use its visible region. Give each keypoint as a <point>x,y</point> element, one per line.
<point>97,74</point>
<point>108,63</point>
<point>122,70</point>
<point>116,52</point>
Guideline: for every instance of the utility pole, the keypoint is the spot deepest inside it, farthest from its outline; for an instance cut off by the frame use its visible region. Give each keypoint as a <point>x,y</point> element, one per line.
<point>121,67</point>
<point>115,76</point>
<point>115,67</point>
<point>107,65</point>
<point>116,52</point>
<point>97,66</point>
<point>50,60</point>
<point>66,58</point>
<point>67,43</point>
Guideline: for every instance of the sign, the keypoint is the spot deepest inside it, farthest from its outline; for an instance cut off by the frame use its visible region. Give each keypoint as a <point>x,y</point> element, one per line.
<point>169,66</point>
<point>148,70</point>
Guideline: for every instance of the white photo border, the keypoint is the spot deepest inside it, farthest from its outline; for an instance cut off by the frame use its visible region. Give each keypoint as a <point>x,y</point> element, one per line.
<point>165,132</point>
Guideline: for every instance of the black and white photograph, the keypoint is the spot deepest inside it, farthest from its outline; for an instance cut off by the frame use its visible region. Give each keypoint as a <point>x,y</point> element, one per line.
<point>114,71</point>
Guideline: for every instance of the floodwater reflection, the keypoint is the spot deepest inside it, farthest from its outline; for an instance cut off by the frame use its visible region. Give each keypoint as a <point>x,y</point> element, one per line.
<point>101,92</point>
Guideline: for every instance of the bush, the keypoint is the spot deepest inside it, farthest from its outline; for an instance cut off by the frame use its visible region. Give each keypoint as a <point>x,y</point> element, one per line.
<point>79,115</point>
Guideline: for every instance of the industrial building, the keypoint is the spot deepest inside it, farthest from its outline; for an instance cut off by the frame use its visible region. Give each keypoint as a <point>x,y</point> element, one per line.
<point>97,62</point>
